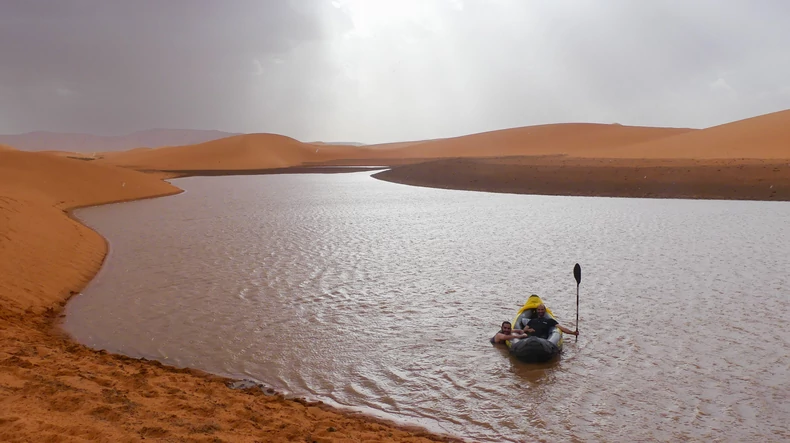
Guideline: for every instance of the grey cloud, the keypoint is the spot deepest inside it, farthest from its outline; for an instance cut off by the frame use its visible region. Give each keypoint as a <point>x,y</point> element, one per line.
<point>300,68</point>
<point>118,66</point>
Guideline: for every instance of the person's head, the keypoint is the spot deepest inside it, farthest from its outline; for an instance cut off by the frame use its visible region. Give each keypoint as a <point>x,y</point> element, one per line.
<point>540,311</point>
<point>506,327</point>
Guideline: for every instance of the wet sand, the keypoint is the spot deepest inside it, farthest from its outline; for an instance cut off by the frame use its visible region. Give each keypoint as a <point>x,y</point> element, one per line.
<point>730,179</point>
<point>52,389</point>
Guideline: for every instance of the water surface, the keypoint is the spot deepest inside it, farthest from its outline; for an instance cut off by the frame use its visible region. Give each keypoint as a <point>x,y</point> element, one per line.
<point>380,296</point>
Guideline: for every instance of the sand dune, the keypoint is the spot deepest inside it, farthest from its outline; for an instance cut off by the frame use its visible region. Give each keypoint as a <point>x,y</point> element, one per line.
<point>746,159</point>
<point>762,137</point>
<point>63,182</point>
<point>88,143</point>
<point>759,137</point>
<point>258,151</point>
<point>70,154</point>
<point>35,188</point>
<point>249,151</point>
<point>562,138</point>
<point>5,147</point>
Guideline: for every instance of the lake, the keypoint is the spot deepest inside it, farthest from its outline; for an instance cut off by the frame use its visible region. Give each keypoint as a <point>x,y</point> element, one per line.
<point>382,298</point>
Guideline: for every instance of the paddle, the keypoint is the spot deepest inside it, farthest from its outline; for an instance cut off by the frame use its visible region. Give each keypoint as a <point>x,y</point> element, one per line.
<point>577,274</point>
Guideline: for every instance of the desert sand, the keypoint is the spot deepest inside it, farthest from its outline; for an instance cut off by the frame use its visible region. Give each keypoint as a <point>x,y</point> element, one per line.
<point>259,151</point>
<point>53,388</point>
<point>89,143</point>
<point>248,151</point>
<point>56,390</point>
<point>743,160</point>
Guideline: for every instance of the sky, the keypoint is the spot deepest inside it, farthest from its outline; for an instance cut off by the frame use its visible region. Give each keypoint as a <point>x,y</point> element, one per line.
<point>375,71</point>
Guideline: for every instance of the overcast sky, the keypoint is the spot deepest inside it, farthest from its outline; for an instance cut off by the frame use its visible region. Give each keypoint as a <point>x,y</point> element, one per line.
<point>387,70</point>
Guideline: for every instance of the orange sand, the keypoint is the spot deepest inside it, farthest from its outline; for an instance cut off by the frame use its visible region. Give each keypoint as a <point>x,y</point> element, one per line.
<point>89,143</point>
<point>249,151</point>
<point>52,389</point>
<point>573,139</point>
<point>762,137</point>
<point>258,151</point>
<point>747,159</point>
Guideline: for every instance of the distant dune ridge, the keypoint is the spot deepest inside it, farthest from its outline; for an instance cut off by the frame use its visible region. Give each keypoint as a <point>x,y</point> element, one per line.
<point>88,143</point>
<point>258,151</point>
<point>575,139</point>
<point>247,151</point>
<point>762,137</point>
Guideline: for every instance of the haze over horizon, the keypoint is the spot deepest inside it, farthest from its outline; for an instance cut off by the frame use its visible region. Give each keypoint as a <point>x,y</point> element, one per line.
<point>382,71</point>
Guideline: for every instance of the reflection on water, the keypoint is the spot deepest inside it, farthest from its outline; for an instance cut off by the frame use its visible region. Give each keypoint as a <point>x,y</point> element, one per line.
<point>359,292</point>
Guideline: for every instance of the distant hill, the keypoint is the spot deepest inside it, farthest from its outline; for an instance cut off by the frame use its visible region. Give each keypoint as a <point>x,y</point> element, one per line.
<point>88,143</point>
<point>765,136</point>
<point>572,139</point>
<point>245,151</point>
<point>260,151</point>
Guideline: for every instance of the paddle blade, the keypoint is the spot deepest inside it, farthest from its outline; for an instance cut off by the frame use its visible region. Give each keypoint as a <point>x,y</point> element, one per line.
<point>577,274</point>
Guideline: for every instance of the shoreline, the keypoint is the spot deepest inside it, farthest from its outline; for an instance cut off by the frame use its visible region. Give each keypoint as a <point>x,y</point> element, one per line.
<point>742,179</point>
<point>317,169</point>
<point>715,179</point>
<point>240,385</point>
<point>57,388</point>
<point>253,387</point>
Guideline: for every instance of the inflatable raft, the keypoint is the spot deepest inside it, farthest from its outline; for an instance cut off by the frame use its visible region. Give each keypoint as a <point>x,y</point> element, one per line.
<point>534,349</point>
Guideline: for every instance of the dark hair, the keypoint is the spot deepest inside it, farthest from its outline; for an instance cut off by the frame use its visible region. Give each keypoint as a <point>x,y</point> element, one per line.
<point>506,323</point>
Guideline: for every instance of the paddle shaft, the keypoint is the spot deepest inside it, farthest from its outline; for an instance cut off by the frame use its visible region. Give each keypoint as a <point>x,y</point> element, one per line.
<point>577,310</point>
<point>577,274</point>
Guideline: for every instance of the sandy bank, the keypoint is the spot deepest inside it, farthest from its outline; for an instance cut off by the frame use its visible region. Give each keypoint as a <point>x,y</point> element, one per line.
<point>743,160</point>
<point>730,179</point>
<point>52,389</point>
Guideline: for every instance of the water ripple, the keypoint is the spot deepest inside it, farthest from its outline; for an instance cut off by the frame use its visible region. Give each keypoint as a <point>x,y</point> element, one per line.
<point>365,293</point>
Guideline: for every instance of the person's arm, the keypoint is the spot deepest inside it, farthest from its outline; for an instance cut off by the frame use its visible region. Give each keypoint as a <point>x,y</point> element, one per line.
<point>499,338</point>
<point>567,331</point>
